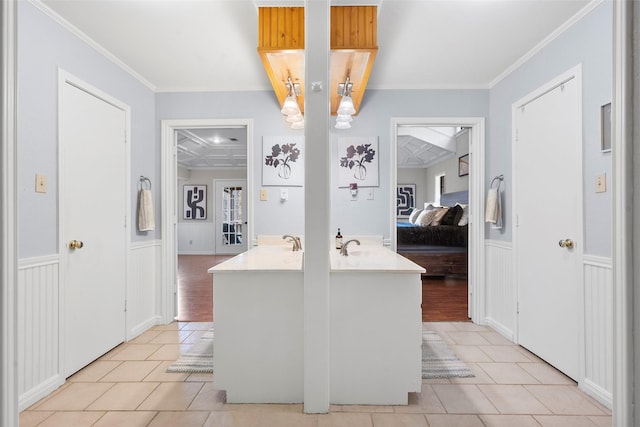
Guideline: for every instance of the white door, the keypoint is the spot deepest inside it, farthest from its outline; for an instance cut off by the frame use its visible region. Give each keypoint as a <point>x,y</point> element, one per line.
<point>230,206</point>
<point>93,208</point>
<point>548,216</point>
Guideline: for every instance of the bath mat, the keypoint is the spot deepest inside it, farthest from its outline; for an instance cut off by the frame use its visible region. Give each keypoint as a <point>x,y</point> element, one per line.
<point>439,361</point>
<point>198,359</point>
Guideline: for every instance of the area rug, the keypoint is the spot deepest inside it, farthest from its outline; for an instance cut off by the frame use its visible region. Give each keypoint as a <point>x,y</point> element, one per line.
<point>438,361</point>
<point>198,358</point>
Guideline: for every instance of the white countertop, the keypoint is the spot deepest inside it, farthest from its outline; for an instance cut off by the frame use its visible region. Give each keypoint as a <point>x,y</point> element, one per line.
<point>372,258</point>
<point>263,258</point>
<point>363,258</point>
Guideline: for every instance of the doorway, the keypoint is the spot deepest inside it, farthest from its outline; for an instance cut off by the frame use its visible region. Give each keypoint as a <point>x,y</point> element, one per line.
<point>475,125</point>
<point>172,190</point>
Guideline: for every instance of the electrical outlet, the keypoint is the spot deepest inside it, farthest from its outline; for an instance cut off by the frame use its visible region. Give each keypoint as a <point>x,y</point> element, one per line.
<point>601,183</point>
<point>263,194</point>
<point>41,183</point>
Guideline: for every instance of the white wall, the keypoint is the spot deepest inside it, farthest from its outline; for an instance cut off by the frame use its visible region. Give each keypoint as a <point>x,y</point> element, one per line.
<point>43,47</point>
<point>588,42</point>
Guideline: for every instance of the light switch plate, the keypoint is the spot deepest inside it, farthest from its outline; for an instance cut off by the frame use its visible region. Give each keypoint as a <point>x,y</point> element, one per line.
<point>41,183</point>
<point>601,183</point>
<point>263,194</point>
<point>370,194</point>
<point>284,194</point>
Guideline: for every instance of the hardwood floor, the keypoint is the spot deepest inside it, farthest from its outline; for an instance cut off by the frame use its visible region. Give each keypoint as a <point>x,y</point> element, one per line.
<point>444,299</point>
<point>195,290</point>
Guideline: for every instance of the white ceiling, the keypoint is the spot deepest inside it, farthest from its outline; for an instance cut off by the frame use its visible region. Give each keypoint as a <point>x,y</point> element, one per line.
<point>421,146</point>
<point>223,147</point>
<point>211,45</point>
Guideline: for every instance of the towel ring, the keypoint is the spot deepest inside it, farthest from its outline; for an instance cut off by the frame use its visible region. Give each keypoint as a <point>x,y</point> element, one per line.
<point>499,178</point>
<point>144,180</point>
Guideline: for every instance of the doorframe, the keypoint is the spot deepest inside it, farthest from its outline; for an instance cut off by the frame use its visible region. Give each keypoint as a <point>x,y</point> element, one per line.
<point>169,178</point>
<point>64,78</point>
<point>476,277</point>
<point>9,216</point>
<point>571,74</point>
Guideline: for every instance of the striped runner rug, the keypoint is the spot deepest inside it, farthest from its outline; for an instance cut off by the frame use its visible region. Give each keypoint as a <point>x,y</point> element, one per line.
<point>438,361</point>
<point>198,358</point>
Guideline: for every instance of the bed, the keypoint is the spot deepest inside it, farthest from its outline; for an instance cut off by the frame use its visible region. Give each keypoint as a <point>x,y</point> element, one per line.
<point>440,249</point>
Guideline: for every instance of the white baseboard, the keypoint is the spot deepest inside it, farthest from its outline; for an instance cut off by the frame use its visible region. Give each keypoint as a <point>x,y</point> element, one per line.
<point>42,390</point>
<point>144,326</point>
<point>499,328</point>
<point>597,392</point>
<point>196,253</point>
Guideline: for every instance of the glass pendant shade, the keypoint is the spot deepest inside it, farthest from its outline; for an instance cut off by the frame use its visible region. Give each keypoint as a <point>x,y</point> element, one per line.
<point>295,118</point>
<point>290,106</point>
<point>344,118</point>
<point>346,107</point>
<point>297,125</point>
<point>342,125</point>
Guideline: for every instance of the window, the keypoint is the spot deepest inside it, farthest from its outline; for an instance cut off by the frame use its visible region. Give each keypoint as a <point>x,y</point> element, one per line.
<point>439,188</point>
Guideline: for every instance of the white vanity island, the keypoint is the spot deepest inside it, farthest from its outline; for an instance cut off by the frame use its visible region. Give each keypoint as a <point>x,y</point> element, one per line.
<point>258,326</point>
<point>375,326</point>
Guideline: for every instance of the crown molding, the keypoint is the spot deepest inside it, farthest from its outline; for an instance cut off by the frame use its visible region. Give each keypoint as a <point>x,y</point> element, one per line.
<point>92,43</point>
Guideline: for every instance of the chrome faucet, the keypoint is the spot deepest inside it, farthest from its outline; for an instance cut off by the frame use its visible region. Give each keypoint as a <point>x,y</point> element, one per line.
<point>343,249</point>
<point>297,244</point>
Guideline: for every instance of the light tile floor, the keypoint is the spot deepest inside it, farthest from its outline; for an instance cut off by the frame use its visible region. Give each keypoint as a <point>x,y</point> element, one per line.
<point>129,386</point>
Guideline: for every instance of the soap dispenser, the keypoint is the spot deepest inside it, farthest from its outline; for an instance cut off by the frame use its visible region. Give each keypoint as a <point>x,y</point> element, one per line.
<point>338,240</point>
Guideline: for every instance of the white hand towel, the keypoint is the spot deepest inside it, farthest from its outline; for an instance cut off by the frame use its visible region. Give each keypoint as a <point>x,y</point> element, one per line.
<point>146,219</point>
<point>493,212</point>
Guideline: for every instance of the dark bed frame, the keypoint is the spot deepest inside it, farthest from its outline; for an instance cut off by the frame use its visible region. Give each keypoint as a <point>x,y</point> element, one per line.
<point>450,258</point>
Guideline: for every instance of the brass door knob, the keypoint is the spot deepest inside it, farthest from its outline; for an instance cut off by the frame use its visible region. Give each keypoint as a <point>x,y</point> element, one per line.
<point>76,244</point>
<point>566,243</point>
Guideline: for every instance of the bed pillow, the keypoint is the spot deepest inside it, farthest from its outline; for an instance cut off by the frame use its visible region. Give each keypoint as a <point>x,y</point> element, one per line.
<point>426,217</point>
<point>464,219</point>
<point>441,212</point>
<point>430,205</point>
<point>414,215</point>
<point>452,216</point>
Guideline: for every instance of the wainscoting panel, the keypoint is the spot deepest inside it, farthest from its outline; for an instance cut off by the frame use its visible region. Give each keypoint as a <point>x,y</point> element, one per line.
<point>143,287</point>
<point>38,329</point>
<point>195,238</point>
<point>500,288</point>
<point>598,312</point>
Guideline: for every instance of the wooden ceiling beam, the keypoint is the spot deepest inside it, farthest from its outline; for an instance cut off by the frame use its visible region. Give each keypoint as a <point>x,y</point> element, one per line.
<point>354,45</point>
